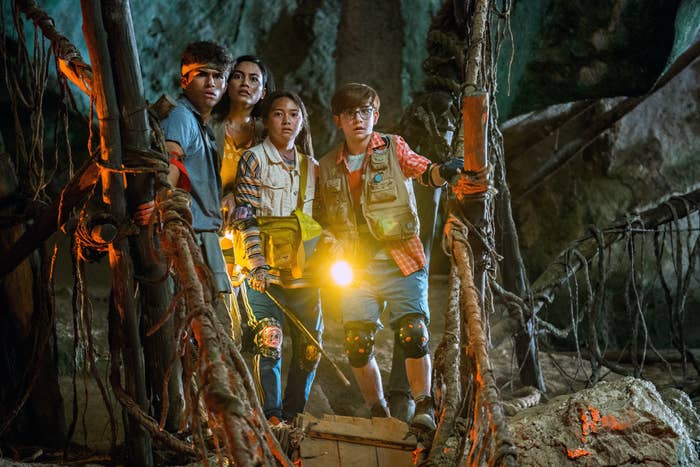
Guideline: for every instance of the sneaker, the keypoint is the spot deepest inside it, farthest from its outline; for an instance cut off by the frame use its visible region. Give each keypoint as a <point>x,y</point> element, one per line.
<point>379,410</point>
<point>424,418</point>
<point>401,405</point>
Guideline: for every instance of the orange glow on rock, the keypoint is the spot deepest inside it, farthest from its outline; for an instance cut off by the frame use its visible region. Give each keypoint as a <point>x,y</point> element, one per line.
<point>612,423</point>
<point>576,453</point>
<point>593,422</point>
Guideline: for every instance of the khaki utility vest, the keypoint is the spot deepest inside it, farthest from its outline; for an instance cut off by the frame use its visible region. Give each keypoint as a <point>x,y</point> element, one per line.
<point>280,187</point>
<point>387,199</point>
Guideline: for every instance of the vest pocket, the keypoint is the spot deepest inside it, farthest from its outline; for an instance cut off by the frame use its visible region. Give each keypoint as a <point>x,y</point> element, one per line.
<point>390,224</point>
<point>379,162</point>
<point>382,192</point>
<point>333,185</point>
<point>272,195</point>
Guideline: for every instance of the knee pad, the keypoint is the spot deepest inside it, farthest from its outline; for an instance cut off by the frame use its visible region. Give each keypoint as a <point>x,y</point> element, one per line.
<point>359,343</point>
<point>268,338</point>
<point>308,355</point>
<point>413,336</point>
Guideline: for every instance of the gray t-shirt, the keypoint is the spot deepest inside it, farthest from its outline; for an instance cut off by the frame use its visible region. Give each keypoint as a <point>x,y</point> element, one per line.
<point>184,126</point>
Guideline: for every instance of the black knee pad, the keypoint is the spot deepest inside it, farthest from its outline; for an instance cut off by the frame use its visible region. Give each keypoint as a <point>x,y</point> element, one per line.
<point>359,342</point>
<point>268,338</point>
<point>413,336</point>
<point>307,354</point>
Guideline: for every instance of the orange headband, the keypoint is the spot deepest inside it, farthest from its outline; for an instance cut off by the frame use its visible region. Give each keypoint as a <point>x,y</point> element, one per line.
<point>186,69</point>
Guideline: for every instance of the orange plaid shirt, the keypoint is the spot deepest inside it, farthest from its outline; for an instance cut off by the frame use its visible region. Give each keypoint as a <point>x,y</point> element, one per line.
<point>408,254</point>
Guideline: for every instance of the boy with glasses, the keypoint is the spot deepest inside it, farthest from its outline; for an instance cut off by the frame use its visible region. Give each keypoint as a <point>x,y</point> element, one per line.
<point>369,208</point>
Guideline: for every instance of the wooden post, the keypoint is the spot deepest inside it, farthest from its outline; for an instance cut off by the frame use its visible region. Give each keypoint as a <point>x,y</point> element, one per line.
<point>138,440</point>
<point>466,207</point>
<point>155,294</point>
<point>514,273</point>
<point>470,200</point>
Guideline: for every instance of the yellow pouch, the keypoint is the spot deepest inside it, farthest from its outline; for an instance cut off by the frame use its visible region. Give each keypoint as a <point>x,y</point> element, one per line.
<point>308,225</point>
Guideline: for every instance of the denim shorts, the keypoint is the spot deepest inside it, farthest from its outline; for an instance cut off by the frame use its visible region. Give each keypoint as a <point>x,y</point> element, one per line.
<point>383,285</point>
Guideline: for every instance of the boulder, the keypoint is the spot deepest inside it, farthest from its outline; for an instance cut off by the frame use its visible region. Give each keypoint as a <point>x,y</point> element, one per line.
<point>624,422</point>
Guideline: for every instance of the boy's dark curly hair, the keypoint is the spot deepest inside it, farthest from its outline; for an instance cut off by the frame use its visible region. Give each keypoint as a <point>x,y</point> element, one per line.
<point>207,52</point>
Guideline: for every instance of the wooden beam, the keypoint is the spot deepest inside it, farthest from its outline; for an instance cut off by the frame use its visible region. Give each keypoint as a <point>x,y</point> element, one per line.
<point>155,294</point>
<point>69,59</point>
<point>123,297</point>
<point>52,218</point>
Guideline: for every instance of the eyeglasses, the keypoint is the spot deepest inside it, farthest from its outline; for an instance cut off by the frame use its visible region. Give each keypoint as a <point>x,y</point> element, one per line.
<point>363,112</point>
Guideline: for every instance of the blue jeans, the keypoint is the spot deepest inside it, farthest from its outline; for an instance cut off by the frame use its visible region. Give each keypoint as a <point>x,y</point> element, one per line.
<point>305,303</point>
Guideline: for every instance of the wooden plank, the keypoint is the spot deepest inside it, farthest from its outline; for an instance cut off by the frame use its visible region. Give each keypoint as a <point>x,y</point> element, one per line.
<point>377,431</point>
<point>394,457</point>
<point>356,455</point>
<point>319,453</point>
<point>408,446</point>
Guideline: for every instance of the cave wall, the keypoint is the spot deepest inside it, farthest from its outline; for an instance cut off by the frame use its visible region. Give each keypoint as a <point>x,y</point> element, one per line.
<point>652,152</point>
<point>554,52</point>
<point>311,46</point>
<point>568,51</point>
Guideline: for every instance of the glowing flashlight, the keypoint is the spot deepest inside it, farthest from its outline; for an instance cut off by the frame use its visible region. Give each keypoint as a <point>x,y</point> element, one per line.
<point>341,272</point>
<point>228,233</point>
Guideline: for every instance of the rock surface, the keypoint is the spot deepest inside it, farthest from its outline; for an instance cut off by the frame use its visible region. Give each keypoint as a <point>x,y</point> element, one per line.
<point>625,422</point>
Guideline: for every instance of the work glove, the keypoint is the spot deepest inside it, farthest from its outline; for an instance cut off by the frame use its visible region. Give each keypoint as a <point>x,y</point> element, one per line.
<point>259,278</point>
<point>450,170</point>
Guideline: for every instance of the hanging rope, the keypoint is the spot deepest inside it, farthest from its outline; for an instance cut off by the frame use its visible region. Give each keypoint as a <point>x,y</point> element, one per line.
<point>234,412</point>
<point>489,438</point>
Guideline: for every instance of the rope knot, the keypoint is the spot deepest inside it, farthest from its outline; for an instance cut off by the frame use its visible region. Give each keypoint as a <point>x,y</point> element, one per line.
<point>455,230</point>
<point>173,205</point>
